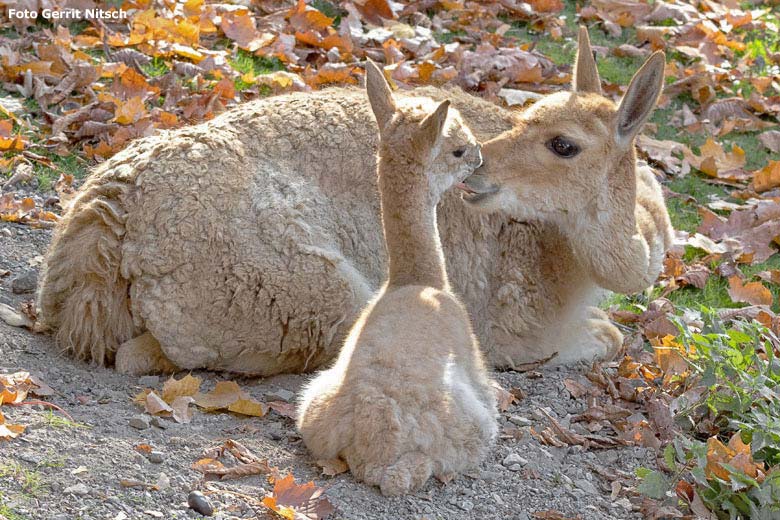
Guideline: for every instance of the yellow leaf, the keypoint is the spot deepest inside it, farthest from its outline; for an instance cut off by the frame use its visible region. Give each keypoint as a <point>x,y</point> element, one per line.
<point>249,407</point>
<point>130,111</point>
<point>186,386</point>
<point>224,394</point>
<point>187,52</point>
<point>193,7</point>
<point>767,177</point>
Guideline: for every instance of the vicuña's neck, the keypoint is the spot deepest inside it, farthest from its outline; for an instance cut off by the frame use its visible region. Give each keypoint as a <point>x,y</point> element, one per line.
<point>409,220</point>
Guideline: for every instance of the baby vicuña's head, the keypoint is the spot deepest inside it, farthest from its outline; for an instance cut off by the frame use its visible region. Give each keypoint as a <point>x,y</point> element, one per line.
<point>420,138</point>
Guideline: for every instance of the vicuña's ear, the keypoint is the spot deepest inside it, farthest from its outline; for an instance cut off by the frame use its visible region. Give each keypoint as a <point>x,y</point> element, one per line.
<point>640,99</point>
<point>432,126</point>
<point>379,94</point>
<point>586,75</point>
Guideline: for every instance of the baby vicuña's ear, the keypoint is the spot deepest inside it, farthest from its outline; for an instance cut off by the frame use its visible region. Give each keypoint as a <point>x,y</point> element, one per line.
<point>640,99</point>
<point>379,94</point>
<point>586,75</point>
<point>432,126</point>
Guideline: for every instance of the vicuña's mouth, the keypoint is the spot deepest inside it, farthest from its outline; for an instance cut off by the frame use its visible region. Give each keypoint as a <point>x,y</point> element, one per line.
<point>477,188</point>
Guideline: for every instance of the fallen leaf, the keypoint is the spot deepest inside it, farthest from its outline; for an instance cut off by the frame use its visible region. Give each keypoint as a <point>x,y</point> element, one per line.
<point>306,500</point>
<point>9,431</point>
<point>767,177</point>
<point>248,407</point>
<point>221,397</point>
<point>188,385</point>
<point>771,140</point>
<point>754,293</point>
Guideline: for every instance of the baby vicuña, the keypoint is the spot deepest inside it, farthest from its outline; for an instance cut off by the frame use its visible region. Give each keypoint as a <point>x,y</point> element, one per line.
<point>409,395</point>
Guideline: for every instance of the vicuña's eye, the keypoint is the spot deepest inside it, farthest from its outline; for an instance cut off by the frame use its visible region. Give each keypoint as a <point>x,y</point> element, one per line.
<point>459,152</point>
<point>562,147</point>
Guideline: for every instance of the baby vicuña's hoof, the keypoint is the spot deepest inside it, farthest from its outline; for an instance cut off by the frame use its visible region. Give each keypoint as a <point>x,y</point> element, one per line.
<point>142,355</point>
<point>606,339</point>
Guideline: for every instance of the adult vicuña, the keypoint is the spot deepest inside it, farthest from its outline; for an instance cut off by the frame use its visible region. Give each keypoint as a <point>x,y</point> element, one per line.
<point>409,396</point>
<point>570,160</point>
<point>251,243</point>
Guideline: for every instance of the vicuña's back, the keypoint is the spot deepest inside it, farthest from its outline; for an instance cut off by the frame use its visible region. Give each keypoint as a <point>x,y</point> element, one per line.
<point>409,396</point>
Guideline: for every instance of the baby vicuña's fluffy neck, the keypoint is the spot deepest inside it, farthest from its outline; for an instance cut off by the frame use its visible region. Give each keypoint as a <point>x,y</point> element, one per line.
<point>409,221</point>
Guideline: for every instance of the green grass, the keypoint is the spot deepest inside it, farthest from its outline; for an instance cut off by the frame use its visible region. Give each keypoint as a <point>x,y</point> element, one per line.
<point>246,62</point>
<point>30,481</point>
<point>448,36</point>
<point>57,421</point>
<point>155,68</point>
<point>8,513</point>
<point>329,9</point>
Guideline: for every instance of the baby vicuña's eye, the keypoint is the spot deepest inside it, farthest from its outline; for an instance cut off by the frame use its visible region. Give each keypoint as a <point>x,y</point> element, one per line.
<point>459,152</point>
<point>563,147</point>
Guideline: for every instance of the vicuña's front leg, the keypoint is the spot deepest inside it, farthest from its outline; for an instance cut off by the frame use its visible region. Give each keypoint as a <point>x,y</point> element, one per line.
<point>623,246</point>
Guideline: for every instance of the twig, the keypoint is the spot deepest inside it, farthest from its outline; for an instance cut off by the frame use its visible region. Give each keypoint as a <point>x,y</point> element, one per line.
<point>44,403</point>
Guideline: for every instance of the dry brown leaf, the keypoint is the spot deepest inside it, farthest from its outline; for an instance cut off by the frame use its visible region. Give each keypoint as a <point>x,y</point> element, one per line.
<point>284,409</point>
<point>248,407</point>
<point>155,405</point>
<point>249,464</point>
<point>289,498</point>
<point>223,395</point>
<point>130,111</point>
<point>9,431</point>
<point>182,413</point>
<point>767,177</point>
<point>754,293</point>
<point>504,397</point>
<point>188,385</point>
<point>737,454</point>
<point>771,140</point>
<point>716,162</point>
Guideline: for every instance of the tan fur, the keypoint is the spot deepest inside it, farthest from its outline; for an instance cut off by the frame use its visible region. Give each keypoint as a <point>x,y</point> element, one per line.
<point>409,396</point>
<point>251,243</point>
<point>611,211</point>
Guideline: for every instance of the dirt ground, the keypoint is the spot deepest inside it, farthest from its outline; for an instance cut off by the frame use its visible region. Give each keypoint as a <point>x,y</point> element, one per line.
<point>60,469</point>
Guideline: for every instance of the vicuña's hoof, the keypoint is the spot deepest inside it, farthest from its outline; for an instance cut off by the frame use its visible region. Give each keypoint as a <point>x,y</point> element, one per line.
<point>142,355</point>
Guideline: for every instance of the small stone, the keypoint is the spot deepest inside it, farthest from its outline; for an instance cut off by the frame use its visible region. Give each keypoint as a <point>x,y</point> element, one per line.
<point>280,394</point>
<point>25,282</point>
<point>199,503</point>
<point>159,423</point>
<point>489,476</point>
<point>519,420</point>
<point>466,505</point>
<point>156,456</point>
<point>77,489</point>
<point>624,503</point>
<point>139,422</point>
<point>148,380</point>
<point>587,486</point>
<point>163,482</point>
<point>6,232</point>
<point>514,461</point>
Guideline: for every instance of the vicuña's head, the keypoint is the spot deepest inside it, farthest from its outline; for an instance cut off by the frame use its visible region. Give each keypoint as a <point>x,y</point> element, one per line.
<point>572,153</point>
<point>425,141</point>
